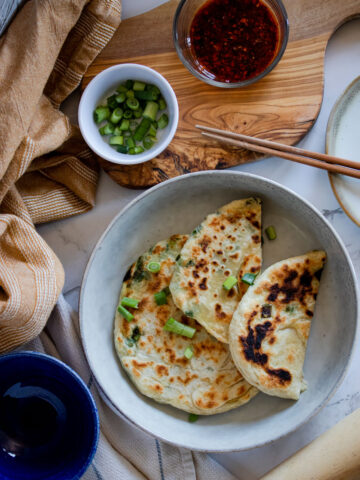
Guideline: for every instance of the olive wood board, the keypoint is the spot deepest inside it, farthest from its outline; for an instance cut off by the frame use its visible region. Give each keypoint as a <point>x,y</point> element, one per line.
<point>282,107</point>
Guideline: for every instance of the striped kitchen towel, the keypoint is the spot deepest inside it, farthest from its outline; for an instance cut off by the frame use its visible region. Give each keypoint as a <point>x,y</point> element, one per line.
<point>46,170</point>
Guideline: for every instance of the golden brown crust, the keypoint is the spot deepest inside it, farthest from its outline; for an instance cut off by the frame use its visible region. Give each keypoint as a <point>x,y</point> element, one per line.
<point>209,382</point>
<point>226,243</point>
<point>271,326</point>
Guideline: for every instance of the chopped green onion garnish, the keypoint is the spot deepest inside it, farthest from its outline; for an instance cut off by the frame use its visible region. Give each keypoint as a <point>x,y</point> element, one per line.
<point>125,313</point>
<point>122,149</point>
<point>133,103</point>
<point>271,232</point>
<point>124,125</point>
<point>116,140</point>
<point>151,110</point>
<point>111,101</point>
<point>138,149</point>
<point>116,115</point>
<point>121,89</point>
<point>174,326</point>
<point>138,86</point>
<point>160,298</point>
<point>130,94</point>
<point>153,267</point>
<point>129,302</point>
<point>128,114</point>
<point>129,84</point>
<point>189,352</point>
<point>163,121</point>
<point>193,417</point>
<point>121,97</point>
<point>162,104</point>
<point>249,278</point>
<point>229,283</point>
<point>101,113</point>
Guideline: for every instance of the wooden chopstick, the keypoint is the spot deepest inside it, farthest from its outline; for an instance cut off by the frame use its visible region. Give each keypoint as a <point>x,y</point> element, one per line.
<point>314,159</point>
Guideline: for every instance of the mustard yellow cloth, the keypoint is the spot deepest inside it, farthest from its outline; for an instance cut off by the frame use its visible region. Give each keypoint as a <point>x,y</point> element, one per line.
<point>46,170</point>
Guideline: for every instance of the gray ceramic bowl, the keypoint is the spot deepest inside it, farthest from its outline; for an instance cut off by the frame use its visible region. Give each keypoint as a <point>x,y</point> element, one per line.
<point>177,206</point>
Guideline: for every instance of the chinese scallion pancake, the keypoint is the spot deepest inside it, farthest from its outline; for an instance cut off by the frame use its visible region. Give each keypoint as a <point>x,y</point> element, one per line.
<point>154,359</point>
<point>270,328</point>
<point>227,243</point>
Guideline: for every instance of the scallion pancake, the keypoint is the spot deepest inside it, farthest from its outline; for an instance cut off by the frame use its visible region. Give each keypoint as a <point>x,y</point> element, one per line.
<point>154,359</point>
<point>226,244</point>
<point>270,328</point>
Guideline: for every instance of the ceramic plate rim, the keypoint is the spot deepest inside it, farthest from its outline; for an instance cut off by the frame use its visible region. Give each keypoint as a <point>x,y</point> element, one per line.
<point>341,245</point>
<point>329,133</point>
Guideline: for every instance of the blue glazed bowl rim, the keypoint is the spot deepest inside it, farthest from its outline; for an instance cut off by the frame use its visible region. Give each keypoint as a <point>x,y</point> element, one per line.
<point>94,411</point>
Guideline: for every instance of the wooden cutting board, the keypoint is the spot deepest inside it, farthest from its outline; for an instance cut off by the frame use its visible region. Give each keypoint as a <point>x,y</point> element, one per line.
<point>282,106</point>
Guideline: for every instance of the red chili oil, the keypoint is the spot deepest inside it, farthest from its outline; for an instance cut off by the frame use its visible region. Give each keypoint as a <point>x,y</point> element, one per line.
<point>234,40</point>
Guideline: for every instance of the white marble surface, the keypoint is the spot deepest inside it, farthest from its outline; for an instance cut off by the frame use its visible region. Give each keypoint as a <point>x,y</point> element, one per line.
<point>73,239</point>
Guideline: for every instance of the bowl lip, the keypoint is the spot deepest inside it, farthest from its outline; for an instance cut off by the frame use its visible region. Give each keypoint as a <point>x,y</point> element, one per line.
<point>48,359</point>
<point>244,83</point>
<point>126,159</point>
<point>224,174</point>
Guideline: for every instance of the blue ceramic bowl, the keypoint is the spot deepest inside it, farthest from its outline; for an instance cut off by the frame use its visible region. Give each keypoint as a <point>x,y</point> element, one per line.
<point>49,426</point>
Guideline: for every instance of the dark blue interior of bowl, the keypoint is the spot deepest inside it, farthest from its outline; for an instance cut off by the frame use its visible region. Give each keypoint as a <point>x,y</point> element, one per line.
<point>49,424</point>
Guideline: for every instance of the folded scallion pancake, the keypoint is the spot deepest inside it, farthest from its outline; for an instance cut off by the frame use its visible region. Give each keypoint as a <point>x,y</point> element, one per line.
<point>226,244</point>
<point>270,328</point>
<point>155,360</point>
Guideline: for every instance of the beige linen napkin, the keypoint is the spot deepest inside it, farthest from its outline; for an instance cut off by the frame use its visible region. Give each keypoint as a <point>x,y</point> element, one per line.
<point>46,170</point>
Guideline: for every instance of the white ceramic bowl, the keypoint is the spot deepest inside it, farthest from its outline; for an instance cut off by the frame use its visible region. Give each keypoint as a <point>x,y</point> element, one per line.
<point>177,206</point>
<point>104,85</point>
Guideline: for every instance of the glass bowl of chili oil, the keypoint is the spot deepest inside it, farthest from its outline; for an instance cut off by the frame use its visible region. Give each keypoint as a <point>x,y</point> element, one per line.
<point>230,43</point>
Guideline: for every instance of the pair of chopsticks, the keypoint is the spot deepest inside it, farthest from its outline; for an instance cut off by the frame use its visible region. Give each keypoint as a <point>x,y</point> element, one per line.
<point>314,159</point>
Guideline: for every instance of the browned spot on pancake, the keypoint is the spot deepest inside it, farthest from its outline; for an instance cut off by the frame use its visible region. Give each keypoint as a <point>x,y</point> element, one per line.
<point>309,313</point>
<point>126,329</point>
<point>136,372</point>
<point>240,390</point>
<point>218,312</point>
<point>195,274</point>
<point>140,364</point>
<point>201,264</point>
<point>231,293</point>
<point>225,397</point>
<point>208,405</point>
<point>142,344</point>
<point>226,273</point>
<point>192,289</point>
<point>158,249</point>
<point>252,343</point>
<point>254,269</point>
<point>157,388</point>
<point>188,378</point>
<point>204,243</point>
<point>155,285</point>
<point>202,284</point>
<point>222,227</point>
<point>171,379</point>
<point>142,304</point>
<point>215,263</point>
<point>235,255</point>
<point>256,238</point>
<point>181,396</point>
<point>290,358</point>
<point>219,379</point>
<point>161,370</point>
<point>215,295</point>
<point>210,395</point>
<point>282,375</point>
<point>272,340</point>
<point>150,338</point>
